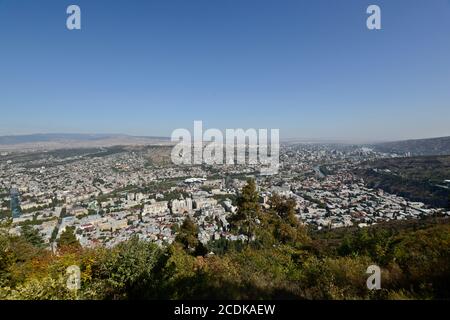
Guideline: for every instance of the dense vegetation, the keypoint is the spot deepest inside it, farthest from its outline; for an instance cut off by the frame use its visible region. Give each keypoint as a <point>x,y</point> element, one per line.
<point>415,178</point>
<point>281,260</point>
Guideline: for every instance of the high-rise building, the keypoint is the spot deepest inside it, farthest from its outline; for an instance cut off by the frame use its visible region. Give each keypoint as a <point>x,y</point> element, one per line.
<point>181,206</point>
<point>16,211</point>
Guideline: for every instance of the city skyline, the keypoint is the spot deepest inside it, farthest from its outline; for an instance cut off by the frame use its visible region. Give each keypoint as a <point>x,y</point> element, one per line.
<point>311,69</point>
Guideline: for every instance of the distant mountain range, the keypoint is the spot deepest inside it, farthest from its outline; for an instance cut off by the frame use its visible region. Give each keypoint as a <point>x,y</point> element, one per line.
<point>51,141</point>
<point>74,140</point>
<point>417,147</point>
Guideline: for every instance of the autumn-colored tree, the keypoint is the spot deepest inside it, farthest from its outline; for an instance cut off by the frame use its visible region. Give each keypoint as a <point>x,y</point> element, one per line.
<point>285,208</point>
<point>187,234</point>
<point>67,239</point>
<point>284,223</point>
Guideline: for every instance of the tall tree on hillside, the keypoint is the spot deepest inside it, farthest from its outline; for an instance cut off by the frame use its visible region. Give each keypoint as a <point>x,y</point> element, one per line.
<point>31,235</point>
<point>248,209</point>
<point>188,237</point>
<point>68,239</point>
<point>187,234</point>
<point>286,226</point>
<point>285,208</point>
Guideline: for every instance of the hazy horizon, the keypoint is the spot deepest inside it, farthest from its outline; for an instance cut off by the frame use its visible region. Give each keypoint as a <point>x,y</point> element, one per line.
<point>282,139</point>
<point>309,68</point>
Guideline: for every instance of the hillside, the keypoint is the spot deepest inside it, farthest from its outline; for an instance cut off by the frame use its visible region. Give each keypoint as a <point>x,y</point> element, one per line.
<point>414,259</point>
<point>285,260</point>
<point>415,178</point>
<point>419,147</point>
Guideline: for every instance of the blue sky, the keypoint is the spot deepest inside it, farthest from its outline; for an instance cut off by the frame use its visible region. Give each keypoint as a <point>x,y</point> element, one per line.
<point>310,68</point>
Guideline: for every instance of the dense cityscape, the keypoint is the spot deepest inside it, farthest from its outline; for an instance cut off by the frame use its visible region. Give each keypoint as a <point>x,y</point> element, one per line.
<point>107,195</point>
<point>224,159</point>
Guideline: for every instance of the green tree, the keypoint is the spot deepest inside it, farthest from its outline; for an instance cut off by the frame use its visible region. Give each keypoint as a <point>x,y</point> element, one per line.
<point>68,239</point>
<point>130,270</point>
<point>6,255</point>
<point>32,235</point>
<point>283,223</point>
<point>285,208</point>
<point>187,234</point>
<point>248,209</point>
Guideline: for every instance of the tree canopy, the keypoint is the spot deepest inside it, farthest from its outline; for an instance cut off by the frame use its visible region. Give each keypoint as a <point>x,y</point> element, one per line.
<point>67,239</point>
